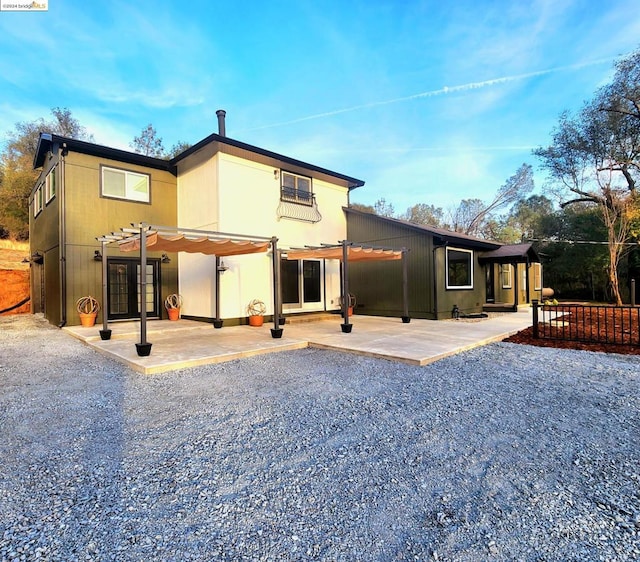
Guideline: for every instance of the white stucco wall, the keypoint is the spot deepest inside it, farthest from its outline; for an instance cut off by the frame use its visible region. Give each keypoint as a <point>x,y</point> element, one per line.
<point>246,203</point>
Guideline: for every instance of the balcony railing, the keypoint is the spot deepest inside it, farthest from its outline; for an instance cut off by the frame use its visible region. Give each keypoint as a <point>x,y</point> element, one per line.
<point>294,195</point>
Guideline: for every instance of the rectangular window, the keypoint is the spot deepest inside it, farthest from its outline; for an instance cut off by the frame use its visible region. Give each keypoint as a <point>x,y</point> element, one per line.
<point>123,184</point>
<point>50,185</point>
<point>296,189</point>
<point>537,276</point>
<point>459,269</point>
<point>37,201</point>
<point>505,275</point>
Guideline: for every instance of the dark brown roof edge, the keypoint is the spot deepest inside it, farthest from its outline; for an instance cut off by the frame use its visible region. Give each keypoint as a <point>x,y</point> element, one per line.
<point>48,140</point>
<point>446,235</point>
<point>352,182</point>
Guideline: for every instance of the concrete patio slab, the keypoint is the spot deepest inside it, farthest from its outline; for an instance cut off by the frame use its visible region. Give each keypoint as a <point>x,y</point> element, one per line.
<point>185,343</point>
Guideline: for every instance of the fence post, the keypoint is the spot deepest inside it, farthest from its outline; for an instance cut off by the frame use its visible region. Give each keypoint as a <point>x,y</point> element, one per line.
<point>633,292</point>
<point>535,318</point>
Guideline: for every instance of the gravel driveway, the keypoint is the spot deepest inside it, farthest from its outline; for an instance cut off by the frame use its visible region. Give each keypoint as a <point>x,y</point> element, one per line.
<point>505,452</point>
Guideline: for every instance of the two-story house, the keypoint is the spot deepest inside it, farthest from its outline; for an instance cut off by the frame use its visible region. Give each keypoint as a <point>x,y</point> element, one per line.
<point>218,185</point>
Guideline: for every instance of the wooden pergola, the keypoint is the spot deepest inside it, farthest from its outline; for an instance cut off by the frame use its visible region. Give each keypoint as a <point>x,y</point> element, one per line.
<point>346,252</point>
<point>142,236</point>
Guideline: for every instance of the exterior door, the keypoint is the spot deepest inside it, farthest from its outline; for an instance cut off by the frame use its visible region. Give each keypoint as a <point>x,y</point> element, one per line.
<point>124,288</point>
<point>302,283</point>
<point>490,273</point>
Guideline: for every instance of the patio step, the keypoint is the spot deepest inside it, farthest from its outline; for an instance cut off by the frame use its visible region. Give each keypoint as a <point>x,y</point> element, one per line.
<point>310,317</point>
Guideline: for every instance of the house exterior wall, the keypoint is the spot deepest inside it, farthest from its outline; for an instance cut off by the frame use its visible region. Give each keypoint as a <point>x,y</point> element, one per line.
<point>426,271</point>
<point>526,279</point>
<point>384,297</point>
<point>44,240</point>
<point>226,193</point>
<point>468,301</point>
<point>88,215</point>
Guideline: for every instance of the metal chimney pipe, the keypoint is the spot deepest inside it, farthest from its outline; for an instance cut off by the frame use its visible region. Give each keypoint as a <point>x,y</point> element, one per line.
<point>221,125</point>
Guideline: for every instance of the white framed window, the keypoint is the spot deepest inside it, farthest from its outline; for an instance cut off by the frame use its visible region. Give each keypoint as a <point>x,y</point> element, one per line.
<point>50,184</point>
<point>296,189</point>
<point>459,268</point>
<point>505,275</point>
<point>537,276</point>
<point>123,184</point>
<point>37,201</point>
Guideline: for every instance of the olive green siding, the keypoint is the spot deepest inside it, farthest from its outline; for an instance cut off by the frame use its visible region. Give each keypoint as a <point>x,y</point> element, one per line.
<point>468,301</point>
<point>378,285</point>
<point>526,288</point>
<point>88,215</point>
<point>44,240</point>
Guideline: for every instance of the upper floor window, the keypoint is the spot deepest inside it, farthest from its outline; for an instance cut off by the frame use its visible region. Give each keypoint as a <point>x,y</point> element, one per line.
<point>37,201</point>
<point>123,184</point>
<point>50,184</point>
<point>296,188</point>
<point>459,269</point>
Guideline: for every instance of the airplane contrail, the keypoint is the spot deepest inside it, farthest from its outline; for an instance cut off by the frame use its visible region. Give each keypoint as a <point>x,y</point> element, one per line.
<point>442,91</point>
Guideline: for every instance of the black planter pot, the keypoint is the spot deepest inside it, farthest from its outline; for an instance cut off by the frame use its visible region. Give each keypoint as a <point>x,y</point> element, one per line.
<point>105,334</point>
<point>406,319</point>
<point>346,328</point>
<point>143,349</point>
<point>217,323</point>
<point>276,333</point>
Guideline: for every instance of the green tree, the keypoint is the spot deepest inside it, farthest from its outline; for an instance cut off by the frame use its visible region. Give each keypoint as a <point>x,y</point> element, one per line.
<point>594,158</point>
<point>17,176</point>
<point>421,213</point>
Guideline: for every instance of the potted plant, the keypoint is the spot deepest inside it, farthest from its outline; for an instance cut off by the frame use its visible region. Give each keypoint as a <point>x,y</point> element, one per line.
<point>88,308</point>
<point>173,303</point>
<point>256,309</point>
<point>351,304</point>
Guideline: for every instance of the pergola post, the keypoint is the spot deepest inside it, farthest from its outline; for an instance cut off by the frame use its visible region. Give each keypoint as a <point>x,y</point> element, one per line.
<point>405,289</point>
<point>514,267</point>
<point>276,331</point>
<point>105,333</point>
<point>143,348</point>
<point>217,323</point>
<point>344,289</point>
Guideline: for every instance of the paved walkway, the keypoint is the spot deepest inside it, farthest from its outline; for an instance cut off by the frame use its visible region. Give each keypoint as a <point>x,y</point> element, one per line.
<point>186,343</point>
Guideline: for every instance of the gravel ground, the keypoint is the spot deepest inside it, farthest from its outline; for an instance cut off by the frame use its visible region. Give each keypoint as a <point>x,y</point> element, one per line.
<point>505,452</point>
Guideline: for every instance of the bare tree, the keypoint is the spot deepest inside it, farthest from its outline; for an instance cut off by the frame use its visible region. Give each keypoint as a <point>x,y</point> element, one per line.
<point>148,143</point>
<point>474,217</point>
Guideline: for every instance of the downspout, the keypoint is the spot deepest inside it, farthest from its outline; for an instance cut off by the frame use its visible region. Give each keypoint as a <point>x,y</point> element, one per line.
<point>62,235</point>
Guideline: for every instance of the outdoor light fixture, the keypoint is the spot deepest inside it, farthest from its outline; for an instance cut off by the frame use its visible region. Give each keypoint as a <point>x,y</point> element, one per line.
<point>97,256</point>
<point>276,174</point>
<point>165,258</point>
<point>222,267</point>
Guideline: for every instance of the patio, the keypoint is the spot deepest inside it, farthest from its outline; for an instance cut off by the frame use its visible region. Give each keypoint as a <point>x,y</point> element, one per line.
<point>186,343</point>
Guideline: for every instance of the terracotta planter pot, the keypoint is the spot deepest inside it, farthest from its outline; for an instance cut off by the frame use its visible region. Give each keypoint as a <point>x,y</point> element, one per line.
<point>88,320</point>
<point>174,313</point>
<point>256,320</point>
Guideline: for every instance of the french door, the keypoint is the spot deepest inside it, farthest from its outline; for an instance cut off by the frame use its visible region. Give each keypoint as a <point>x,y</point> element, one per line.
<point>302,284</point>
<point>123,294</point>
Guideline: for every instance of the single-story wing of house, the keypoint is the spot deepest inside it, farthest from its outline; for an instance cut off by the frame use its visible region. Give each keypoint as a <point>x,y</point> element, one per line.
<point>449,274</point>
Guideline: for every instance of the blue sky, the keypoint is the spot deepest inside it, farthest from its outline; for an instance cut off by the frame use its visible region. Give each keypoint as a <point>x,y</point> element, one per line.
<point>426,101</point>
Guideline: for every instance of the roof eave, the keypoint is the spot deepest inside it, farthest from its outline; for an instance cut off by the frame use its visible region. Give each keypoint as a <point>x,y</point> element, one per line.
<point>351,182</point>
